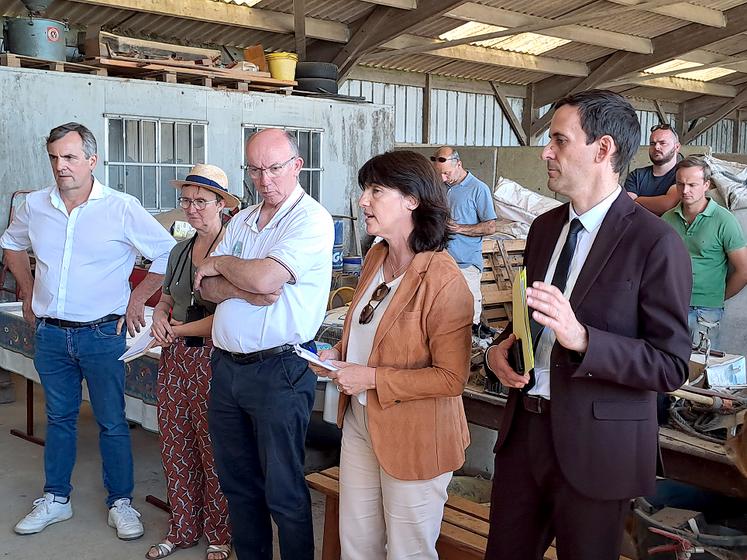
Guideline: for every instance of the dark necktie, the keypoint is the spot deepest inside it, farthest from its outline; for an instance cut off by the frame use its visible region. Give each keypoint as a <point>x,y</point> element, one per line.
<point>559,280</point>
<point>560,277</point>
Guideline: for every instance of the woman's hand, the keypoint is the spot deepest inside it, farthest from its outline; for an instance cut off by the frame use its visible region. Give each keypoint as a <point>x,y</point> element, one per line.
<point>161,329</point>
<point>328,354</point>
<point>352,379</point>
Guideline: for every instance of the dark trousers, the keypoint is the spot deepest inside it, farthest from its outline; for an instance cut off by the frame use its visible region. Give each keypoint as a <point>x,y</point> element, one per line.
<point>258,415</point>
<point>532,503</point>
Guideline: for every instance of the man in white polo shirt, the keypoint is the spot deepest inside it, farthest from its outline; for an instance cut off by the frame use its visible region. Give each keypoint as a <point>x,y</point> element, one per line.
<point>85,237</point>
<point>261,393</point>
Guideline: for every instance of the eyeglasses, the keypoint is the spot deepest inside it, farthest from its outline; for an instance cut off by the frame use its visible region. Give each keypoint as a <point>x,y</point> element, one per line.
<point>662,126</point>
<point>381,291</point>
<point>272,171</point>
<point>441,159</point>
<point>199,203</point>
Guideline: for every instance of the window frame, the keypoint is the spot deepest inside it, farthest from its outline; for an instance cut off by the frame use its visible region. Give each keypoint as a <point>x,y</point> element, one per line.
<point>249,190</point>
<point>158,165</point>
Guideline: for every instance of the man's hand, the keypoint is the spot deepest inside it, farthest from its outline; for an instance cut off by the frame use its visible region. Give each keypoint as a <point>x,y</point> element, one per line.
<point>134,317</point>
<point>632,195</point>
<point>553,310</point>
<point>497,359</point>
<point>453,226</point>
<point>263,300</point>
<point>352,379</point>
<point>205,270</point>
<point>28,314</point>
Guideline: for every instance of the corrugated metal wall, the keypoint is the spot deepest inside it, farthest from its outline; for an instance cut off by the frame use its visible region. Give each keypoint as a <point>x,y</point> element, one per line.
<point>407,101</point>
<point>473,119</point>
<point>743,138</point>
<point>719,137</point>
<point>457,117</point>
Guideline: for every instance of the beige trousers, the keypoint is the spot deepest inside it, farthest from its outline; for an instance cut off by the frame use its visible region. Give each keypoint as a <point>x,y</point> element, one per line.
<point>473,276</point>
<point>381,517</point>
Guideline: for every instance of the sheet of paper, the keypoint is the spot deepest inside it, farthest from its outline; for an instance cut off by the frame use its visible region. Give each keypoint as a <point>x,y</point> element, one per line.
<point>522,330</point>
<point>313,358</point>
<point>140,344</point>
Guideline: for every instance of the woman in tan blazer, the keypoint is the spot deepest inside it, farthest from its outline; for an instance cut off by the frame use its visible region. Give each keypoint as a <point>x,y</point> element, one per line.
<point>405,355</point>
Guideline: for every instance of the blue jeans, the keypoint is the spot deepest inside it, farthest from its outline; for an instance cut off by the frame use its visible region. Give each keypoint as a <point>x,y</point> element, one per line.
<point>258,414</point>
<point>708,314</point>
<point>63,358</point>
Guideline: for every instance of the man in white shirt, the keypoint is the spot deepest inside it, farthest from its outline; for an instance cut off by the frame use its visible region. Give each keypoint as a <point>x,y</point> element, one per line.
<point>85,237</point>
<point>262,393</point>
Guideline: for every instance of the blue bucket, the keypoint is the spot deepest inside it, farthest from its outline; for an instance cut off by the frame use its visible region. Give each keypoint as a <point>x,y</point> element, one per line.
<point>337,258</point>
<point>339,232</point>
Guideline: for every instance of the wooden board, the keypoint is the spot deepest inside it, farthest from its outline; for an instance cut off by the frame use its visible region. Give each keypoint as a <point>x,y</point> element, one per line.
<point>501,260</point>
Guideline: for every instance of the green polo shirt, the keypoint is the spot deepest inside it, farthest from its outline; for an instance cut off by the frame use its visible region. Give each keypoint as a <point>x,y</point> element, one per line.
<point>714,233</point>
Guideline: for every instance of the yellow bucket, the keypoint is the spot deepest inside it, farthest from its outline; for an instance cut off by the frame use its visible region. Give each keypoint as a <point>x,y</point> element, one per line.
<point>282,65</point>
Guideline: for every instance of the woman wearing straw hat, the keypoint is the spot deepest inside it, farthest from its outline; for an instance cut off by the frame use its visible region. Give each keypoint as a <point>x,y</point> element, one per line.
<point>197,505</point>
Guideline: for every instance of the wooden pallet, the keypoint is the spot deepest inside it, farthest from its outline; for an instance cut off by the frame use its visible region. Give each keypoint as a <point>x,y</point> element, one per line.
<point>502,259</point>
<point>178,72</point>
<point>21,61</point>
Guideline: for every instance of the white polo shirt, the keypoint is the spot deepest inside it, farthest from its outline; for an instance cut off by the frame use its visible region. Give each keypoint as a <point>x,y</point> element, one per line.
<point>84,258</point>
<point>300,237</point>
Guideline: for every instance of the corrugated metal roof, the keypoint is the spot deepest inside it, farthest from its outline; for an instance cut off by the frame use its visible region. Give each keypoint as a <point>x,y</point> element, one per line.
<point>169,28</point>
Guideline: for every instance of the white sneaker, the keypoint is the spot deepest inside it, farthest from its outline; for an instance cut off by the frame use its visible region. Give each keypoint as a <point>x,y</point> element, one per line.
<point>45,512</point>
<point>126,520</point>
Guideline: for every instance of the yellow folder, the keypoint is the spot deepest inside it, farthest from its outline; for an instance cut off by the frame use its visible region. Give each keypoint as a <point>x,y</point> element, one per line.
<point>522,330</point>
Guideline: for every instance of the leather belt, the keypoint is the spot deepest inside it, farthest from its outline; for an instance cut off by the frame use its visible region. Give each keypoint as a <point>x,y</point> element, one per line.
<point>257,356</point>
<point>535,405</point>
<point>62,323</point>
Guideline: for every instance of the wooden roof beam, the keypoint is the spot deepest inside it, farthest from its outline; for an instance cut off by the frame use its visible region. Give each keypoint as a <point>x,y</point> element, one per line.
<point>533,28</point>
<point>472,11</point>
<point>666,47</point>
<point>679,84</point>
<point>230,14</point>
<point>401,4</point>
<point>739,101</point>
<point>495,57</point>
<point>373,33</point>
<point>684,11</point>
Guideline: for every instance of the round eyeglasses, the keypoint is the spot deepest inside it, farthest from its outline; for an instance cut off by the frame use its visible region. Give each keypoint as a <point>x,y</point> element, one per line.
<point>199,203</point>
<point>273,171</point>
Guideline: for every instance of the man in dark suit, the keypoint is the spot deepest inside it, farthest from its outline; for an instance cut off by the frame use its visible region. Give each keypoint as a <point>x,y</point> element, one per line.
<point>610,289</point>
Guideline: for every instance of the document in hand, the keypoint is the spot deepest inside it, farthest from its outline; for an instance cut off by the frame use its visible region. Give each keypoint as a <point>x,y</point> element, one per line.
<point>522,330</point>
<point>140,345</point>
<point>313,358</point>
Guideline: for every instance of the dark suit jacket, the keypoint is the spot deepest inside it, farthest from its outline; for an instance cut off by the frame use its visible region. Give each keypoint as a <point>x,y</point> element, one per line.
<point>632,295</point>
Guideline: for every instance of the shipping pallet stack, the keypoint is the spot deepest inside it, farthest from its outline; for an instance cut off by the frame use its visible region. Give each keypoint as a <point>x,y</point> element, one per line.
<point>502,259</point>
<point>21,61</point>
<point>192,72</point>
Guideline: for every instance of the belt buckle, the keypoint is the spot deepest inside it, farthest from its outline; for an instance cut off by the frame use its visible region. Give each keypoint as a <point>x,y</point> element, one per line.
<point>534,404</point>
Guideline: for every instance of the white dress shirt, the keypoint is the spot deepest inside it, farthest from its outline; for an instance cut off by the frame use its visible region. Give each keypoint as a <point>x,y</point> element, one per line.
<point>591,220</point>
<point>300,237</point>
<point>84,258</point>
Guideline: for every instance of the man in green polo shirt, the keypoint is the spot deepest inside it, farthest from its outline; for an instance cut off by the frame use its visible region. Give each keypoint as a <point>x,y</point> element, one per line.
<point>715,242</point>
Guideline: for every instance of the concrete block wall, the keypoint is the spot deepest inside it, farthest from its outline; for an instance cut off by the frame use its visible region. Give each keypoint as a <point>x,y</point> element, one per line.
<point>37,100</point>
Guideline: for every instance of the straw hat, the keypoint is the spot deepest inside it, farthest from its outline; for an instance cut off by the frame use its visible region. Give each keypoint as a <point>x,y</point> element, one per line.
<point>212,178</point>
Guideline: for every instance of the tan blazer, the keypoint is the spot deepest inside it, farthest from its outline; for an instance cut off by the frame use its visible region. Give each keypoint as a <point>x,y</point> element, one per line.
<point>421,353</point>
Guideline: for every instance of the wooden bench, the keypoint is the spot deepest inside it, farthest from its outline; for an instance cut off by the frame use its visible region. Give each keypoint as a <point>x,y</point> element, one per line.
<point>464,530</point>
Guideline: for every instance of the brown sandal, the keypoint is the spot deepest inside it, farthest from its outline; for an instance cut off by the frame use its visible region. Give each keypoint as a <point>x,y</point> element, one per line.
<point>163,549</point>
